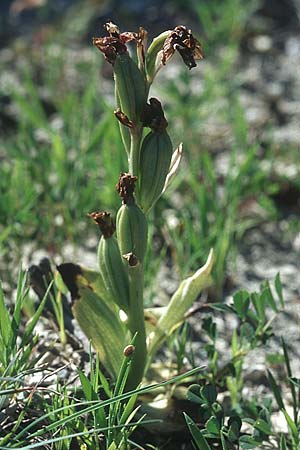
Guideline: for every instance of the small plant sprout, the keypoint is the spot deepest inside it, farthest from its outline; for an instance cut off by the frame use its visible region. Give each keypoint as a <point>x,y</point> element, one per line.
<point>109,304</point>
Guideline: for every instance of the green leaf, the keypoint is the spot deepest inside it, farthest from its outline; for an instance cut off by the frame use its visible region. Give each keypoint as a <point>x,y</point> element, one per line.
<point>128,409</point>
<point>213,426</point>
<point>278,288</point>
<point>32,323</point>
<point>91,395</point>
<point>275,390</point>
<point>94,279</point>
<point>263,426</point>
<point>235,424</point>
<point>289,373</point>
<point>222,307</point>
<point>181,301</point>
<point>198,437</point>
<point>234,343</point>
<point>248,442</point>
<point>105,384</point>
<point>282,444</point>
<point>247,331</point>
<point>241,303</point>
<point>75,277</point>
<point>193,394</point>
<point>268,297</point>
<point>259,305</point>
<point>5,324</point>
<point>224,446</point>
<point>22,291</point>
<point>209,393</point>
<point>86,386</point>
<point>59,283</point>
<point>295,381</point>
<point>210,327</point>
<point>291,424</point>
<point>286,358</point>
<point>103,327</point>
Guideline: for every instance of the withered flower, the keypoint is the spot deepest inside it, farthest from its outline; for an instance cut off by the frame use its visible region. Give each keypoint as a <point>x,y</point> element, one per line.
<point>112,29</point>
<point>141,42</point>
<point>153,116</point>
<point>115,43</point>
<point>123,119</point>
<point>105,222</point>
<point>125,187</point>
<point>110,46</point>
<point>182,40</point>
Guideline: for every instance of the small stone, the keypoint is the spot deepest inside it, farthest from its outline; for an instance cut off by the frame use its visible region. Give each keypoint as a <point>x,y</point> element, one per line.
<point>289,134</point>
<point>289,108</point>
<point>262,43</point>
<point>58,220</point>
<point>296,243</point>
<point>274,90</point>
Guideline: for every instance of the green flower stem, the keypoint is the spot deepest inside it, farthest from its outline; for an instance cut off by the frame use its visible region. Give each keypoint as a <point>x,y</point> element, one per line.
<point>136,325</point>
<point>135,147</point>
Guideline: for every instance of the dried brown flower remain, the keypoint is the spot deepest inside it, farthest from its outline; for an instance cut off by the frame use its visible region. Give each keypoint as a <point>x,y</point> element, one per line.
<point>182,40</point>
<point>104,221</point>
<point>115,43</point>
<point>123,119</point>
<point>125,187</point>
<point>153,116</point>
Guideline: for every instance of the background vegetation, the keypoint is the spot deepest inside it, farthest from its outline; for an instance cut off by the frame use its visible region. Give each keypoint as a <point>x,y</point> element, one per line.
<point>60,150</point>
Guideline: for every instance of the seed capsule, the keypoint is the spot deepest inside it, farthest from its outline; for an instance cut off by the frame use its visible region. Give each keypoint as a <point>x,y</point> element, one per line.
<point>155,160</point>
<point>153,62</point>
<point>132,230</point>
<point>130,87</point>
<point>111,267</point>
<point>112,270</point>
<point>131,221</point>
<point>130,84</point>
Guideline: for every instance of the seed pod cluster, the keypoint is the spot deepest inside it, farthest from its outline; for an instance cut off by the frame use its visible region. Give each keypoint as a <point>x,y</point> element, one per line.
<point>151,167</point>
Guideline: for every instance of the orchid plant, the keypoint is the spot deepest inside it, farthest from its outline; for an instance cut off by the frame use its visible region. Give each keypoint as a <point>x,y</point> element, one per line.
<point>109,304</point>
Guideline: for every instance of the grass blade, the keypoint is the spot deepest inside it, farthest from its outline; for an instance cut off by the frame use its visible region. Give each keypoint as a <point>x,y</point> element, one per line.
<point>198,437</point>
<point>94,405</point>
<point>278,288</point>
<point>276,390</point>
<point>5,328</point>
<point>31,325</point>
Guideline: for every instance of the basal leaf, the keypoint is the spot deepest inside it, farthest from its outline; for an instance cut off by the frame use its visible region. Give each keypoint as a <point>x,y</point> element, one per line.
<point>102,326</point>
